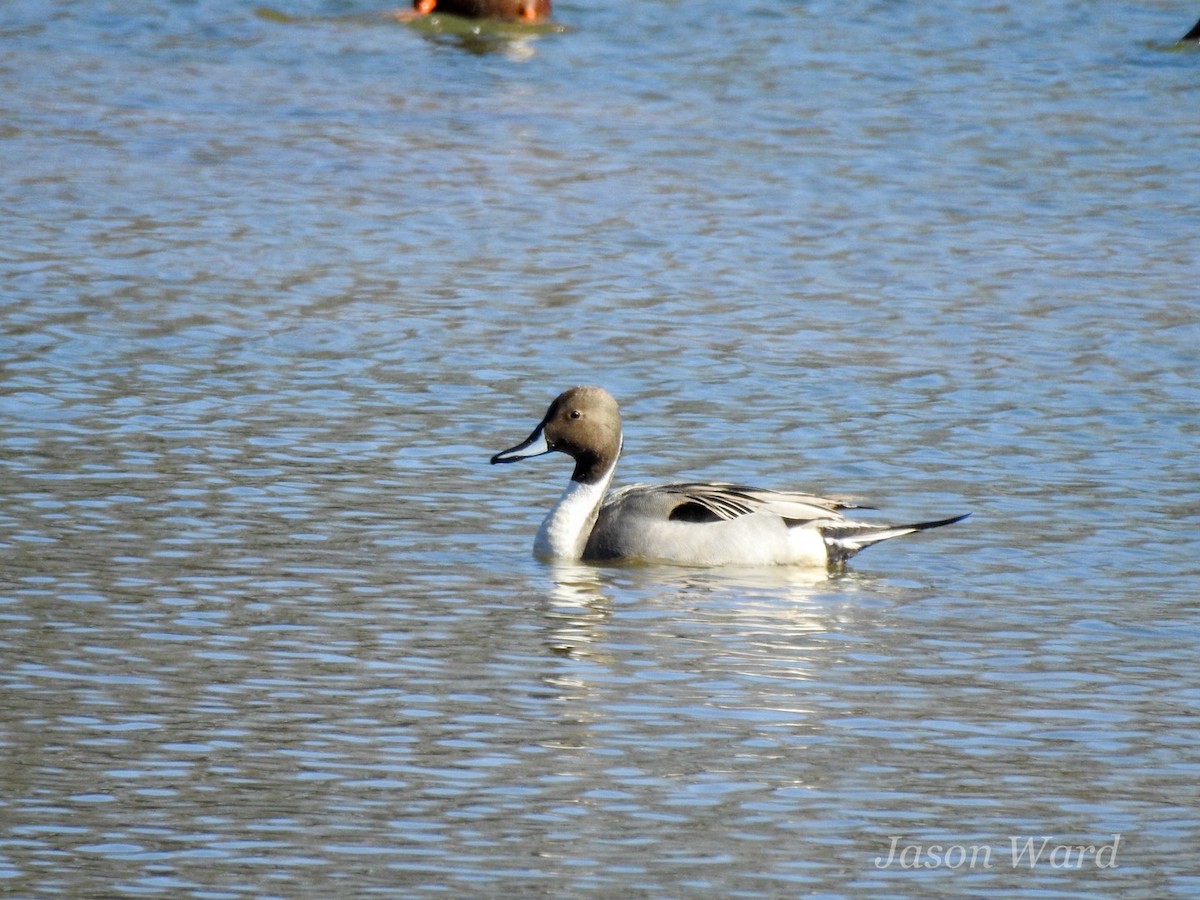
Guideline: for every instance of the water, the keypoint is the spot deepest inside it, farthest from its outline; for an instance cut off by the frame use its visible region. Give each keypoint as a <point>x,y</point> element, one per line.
<point>276,282</point>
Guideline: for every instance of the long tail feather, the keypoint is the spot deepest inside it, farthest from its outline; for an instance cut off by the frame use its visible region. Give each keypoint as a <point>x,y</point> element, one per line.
<point>845,539</point>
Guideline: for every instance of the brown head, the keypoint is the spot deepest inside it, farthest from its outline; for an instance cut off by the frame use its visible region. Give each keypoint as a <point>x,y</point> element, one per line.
<point>582,422</point>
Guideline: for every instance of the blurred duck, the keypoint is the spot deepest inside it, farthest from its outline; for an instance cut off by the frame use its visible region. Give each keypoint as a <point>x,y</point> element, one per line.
<point>530,11</point>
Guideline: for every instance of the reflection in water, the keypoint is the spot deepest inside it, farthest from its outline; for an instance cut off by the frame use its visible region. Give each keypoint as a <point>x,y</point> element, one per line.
<point>575,585</point>
<point>579,595</point>
<point>517,42</point>
<point>576,609</point>
<point>680,631</point>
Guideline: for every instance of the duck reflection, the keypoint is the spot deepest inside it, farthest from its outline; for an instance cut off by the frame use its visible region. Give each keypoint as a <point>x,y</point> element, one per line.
<point>579,609</point>
<point>576,609</point>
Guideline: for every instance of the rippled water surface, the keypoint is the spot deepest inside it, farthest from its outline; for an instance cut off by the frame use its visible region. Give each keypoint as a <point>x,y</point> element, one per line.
<point>277,281</point>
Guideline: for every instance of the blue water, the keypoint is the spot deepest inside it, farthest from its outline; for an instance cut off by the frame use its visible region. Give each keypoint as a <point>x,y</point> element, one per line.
<point>277,281</point>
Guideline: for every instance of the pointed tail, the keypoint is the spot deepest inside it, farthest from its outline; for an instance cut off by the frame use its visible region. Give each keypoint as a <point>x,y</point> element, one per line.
<point>847,538</point>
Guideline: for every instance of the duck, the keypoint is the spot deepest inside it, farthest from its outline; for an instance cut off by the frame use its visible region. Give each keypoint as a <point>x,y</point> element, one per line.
<point>529,11</point>
<point>687,523</point>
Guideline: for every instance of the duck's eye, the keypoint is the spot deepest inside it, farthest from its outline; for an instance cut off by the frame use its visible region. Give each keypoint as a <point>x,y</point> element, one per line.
<point>575,414</point>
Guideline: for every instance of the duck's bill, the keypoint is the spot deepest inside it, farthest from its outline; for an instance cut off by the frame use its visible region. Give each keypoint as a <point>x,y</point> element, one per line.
<point>534,445</point>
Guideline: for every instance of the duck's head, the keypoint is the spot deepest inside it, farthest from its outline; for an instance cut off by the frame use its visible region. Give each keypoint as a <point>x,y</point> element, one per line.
<point>582,422</point>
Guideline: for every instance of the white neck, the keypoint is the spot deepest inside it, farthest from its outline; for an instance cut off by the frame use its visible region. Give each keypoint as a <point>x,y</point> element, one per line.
<point>566,528</point>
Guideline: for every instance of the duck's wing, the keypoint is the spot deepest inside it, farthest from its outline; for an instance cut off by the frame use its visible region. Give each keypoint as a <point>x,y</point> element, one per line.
<point>742,525</point>
<point>716,502</point>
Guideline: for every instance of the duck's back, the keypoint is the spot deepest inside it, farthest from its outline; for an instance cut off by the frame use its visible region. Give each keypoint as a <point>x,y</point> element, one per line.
<point>662,523</point>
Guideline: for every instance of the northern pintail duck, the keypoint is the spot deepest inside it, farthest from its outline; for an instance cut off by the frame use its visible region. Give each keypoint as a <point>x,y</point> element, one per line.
<point>687,524</point>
